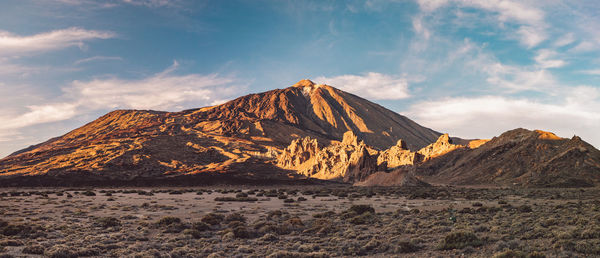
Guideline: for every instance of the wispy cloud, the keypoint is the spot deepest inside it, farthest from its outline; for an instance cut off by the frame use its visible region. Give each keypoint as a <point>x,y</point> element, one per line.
<point>15,45</point>
<point>161,91</point>
<point>96,4</point>
<point>370,85</point>
<point>98,58</point>
<point>152,3</point>
<point>531,28</point>
<point>592,72</point>
<point>547,59</point>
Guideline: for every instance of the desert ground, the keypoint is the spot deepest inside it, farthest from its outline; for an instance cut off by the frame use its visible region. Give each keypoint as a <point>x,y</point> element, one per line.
<point>299,222</point>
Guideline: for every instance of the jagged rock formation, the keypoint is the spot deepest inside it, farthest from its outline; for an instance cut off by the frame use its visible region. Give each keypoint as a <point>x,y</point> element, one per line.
<point>354,161</point>
<point>238,138</point>
<point>519,157</point>
<point>440,147</point>
<point>350,160</point>
<point>397,155</point>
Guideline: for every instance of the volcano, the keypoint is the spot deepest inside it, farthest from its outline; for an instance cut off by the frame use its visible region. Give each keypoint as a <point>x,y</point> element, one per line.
<point>237,140</point>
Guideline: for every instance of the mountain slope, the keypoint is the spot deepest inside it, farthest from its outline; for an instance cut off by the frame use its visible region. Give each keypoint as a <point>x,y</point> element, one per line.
<point>320,109</point>
<point>239,138</point>
<point>519,157</point>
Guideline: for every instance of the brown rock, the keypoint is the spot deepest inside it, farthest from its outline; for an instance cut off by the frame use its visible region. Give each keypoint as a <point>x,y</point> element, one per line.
<point>397,156</point>
<point>442,146</point>
<point>350,138</point>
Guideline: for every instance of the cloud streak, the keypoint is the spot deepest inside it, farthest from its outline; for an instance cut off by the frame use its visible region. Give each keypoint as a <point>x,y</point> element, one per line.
<point>15,45</point>
<point>98,58</point>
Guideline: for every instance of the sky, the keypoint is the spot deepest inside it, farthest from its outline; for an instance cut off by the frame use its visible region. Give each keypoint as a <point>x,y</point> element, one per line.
<point>473,69</point>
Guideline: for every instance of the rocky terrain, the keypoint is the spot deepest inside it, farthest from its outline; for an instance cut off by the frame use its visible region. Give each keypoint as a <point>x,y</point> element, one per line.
<point>237,141</point>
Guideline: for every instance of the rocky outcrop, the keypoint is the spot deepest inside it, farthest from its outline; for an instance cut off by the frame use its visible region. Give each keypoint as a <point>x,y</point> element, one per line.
<point>440,147</point>
<point>353,161</point>
<point>397,155</point>
<point>298,152</point>
<point>350,160</point>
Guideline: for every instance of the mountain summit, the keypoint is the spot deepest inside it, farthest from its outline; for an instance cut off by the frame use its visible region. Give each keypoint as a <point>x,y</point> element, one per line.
<point>239,138</point>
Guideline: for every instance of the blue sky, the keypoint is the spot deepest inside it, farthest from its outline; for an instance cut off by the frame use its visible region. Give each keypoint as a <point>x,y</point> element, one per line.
<point>473,69</point>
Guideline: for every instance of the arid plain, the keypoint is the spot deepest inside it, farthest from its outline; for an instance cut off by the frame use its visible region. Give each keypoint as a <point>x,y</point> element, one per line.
<point>300,222</point>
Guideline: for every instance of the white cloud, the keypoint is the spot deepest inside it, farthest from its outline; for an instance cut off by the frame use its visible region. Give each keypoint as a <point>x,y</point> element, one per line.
<point>545,59</point>
<point>592,72</point>
<point>15,45</point>
<point>487,116</point>
<point>531,36</point>
<point>532,27</point>
<point>151,3</point>
<point>420,28</point>
<point>517,78</point>
<point>39,115</point>
<point>584,46</point>
<point>98,58</point>
<point>161,91</point>
<point>565,39</point>
<point>93,3</point>
<point>7,68</point>
<point>370,85</point>
<point>431,5</point>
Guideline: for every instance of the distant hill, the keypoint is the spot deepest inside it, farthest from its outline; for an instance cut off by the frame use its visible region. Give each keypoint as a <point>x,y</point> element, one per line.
<point>519,157</point>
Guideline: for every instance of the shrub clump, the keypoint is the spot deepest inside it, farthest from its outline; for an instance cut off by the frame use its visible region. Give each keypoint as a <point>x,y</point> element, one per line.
<point>362,208</point>
<point>359,214</point>
<point>212,218</point>
<point>34,249</point>
<point>165,221</point>
<point>171,224</point>
<point>88,193</point>
<point>236,199</point>
<point>525,208</point>
<point>235,217</point>
<point>107,222</point>
<point>406,247</point>
<point>8,229</point>
<point>459,240</point>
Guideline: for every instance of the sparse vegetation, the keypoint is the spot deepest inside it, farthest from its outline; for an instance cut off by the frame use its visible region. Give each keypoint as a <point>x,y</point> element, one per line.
<point>508,223</point>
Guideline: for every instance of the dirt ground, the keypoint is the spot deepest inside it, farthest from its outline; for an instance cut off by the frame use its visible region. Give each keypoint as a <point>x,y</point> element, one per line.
<point>299,222</point>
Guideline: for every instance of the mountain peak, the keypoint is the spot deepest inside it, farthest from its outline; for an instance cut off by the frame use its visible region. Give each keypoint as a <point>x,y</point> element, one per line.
<point>304,83</point>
